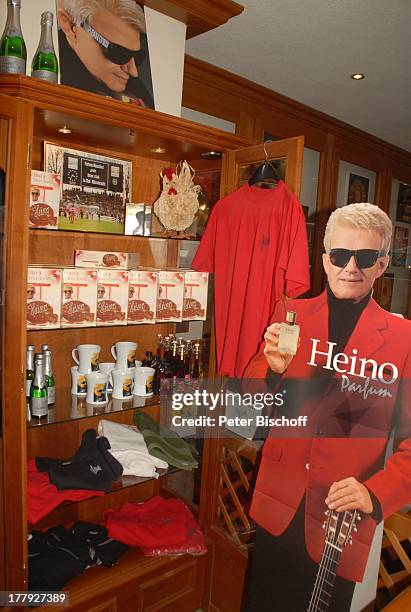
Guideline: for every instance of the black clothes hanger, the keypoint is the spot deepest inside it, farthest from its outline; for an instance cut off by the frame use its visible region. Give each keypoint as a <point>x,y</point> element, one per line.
<point>266,175</point>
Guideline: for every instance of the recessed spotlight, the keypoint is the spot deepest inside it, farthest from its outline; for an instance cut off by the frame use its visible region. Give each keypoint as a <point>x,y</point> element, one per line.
<point>211,154</point>
<point>158,150</point>
<point>358,76</point>
<point>64,130</point>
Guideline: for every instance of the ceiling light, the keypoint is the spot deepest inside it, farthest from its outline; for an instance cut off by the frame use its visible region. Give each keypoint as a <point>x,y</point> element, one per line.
<point>64,130</point>
<point>211,154</point>
<point>358,76</point>
<point>158,150</point>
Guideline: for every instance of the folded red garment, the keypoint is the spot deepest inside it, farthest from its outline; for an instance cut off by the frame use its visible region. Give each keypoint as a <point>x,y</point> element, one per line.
<point>155,524</point>
<point>43,497</point>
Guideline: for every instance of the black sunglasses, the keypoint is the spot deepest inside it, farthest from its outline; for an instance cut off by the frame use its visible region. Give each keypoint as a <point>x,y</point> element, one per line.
<point>364,258</point>
<point>113,52</point>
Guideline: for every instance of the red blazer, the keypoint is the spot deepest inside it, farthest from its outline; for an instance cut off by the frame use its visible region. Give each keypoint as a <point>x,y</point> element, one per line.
<point>309,465</point>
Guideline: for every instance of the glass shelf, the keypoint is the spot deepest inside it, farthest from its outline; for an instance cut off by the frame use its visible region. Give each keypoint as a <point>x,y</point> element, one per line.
<point>70,407</point>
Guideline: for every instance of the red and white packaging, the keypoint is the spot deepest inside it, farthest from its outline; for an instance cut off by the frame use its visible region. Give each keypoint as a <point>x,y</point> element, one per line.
<point>79,297</point>
<point>106,260</point>
<point>170,296</point>
<point>112,297</point>
<point>142,296</point>
<point>195,296</point>
<point>43,297</point>
<point>44,199</point>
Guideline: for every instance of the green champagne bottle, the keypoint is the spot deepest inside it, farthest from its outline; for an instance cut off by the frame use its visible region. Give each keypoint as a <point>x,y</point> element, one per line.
<point>29,369</point>
<point>45,65</point>
<point>38,393</point>
<point>13,53</point>
<point>48,371</point>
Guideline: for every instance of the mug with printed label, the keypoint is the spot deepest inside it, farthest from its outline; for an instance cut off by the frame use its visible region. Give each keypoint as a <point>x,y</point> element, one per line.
<point>97,388</point>
<point>143,381</point>
<point>87,357</point>
<point>78,382</point>
<point>123,383</point>
<point>125,354</point>
<point>107,368</point>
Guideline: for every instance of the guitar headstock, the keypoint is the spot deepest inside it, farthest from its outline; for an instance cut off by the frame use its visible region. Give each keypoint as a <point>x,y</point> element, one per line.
<point>339,527</point>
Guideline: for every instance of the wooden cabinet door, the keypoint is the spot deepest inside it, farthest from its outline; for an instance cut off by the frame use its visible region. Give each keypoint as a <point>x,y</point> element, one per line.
<point>286,155</point>
<point>232,461</point>
<point>15,126</point>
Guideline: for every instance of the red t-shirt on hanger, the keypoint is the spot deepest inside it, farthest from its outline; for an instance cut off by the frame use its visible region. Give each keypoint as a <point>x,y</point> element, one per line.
<point>255,243</point>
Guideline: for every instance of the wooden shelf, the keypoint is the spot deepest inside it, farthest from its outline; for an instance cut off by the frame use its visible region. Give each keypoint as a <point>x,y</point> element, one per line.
<point>70,407</point>
<point>139,583</point>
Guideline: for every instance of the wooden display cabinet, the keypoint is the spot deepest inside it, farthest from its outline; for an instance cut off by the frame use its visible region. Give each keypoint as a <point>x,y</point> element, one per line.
<point>34,111</point>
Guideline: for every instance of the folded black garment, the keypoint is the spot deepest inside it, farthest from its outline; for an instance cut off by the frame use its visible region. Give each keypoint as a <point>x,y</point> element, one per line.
<point>92,467</point>
<point>106,550</point>
<point>55,557</point>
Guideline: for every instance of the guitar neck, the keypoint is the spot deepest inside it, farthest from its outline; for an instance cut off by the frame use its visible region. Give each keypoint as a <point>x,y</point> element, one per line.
<point>324,584</point>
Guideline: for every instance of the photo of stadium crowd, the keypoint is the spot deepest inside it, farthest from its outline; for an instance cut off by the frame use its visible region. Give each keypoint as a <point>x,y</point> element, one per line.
<point>94,189</point>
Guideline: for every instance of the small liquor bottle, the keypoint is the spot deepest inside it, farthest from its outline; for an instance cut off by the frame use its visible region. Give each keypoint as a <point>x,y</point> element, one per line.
<point>196,363</point>
<point>45,65</point>
<point>188,361</point>
<point>13,54</point>
<point>289,334</point>
<point>44,348</point>
<point>48,371</point>
<point>181,367</point>
<point>159,351</point>
<point>174,360</point>
<point>29,369</point>
<point>38,393</point>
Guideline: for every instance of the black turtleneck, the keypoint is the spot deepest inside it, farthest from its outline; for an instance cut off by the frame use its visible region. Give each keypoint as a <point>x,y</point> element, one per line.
<point>343,316</point>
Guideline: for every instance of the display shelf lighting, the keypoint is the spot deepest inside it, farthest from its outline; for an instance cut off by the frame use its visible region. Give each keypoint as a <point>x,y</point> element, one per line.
<point>158,150</point>
<point>64,130</point>
<point>211,154</point>
<point>358,76</point>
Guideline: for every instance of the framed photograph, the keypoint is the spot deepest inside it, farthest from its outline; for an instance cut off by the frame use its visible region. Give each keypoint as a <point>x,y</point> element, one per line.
<point>95,189</point>
<point>404,203</point>
<point>400,246</point>
<point>387,286</point>
<point>112,60</point>
<point>357,188</point>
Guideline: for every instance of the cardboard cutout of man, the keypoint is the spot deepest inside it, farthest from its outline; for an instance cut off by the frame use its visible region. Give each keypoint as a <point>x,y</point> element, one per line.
<point>359,356</point>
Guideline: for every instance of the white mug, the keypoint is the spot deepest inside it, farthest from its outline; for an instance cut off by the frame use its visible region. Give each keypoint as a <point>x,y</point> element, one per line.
<point>107,368</point>
<point>78,382</point>
<point>143,381</point>
<point>123,383</point>
<point>125,354</point>
<point>87,357</point>
<point>97,388</point>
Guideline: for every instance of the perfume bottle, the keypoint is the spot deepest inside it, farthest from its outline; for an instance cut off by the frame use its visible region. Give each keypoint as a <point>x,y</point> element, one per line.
<point>289,334</point>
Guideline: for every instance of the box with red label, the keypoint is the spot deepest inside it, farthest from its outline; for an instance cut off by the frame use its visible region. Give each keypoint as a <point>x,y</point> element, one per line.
<point>170,296</point>
<point>44,199</point>
<point>195,296</point>
<point>112,297</point>
<point>79,297</point>
<point>142,296</point>
<point>106,259</point>
<point>43,297</point>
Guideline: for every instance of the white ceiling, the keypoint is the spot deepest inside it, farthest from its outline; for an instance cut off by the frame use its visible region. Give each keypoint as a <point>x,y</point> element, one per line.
<point>307,49</point>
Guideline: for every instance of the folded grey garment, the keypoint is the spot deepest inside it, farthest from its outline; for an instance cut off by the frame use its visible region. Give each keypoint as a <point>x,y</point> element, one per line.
<point>166,444</point>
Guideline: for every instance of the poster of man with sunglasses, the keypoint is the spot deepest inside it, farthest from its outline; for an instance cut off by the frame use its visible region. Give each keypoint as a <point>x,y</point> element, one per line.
<point>103,48</point>
<point>351,377</point>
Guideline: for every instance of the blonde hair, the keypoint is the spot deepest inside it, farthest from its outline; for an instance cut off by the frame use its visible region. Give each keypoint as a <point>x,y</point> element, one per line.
<point>82,11</point>
<point>364,216</point>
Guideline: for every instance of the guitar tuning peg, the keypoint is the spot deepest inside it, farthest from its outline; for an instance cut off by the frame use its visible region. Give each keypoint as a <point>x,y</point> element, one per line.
<point>355,529</point>
<point>350,541</point>
<point>359,517</point>
<point>327,512</point>
<point>324,524</point>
